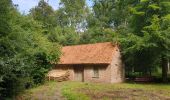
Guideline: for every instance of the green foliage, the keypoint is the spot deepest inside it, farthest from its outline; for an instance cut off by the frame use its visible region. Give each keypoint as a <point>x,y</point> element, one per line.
<point>29,43</point>
<point>72,12</point>
<point>25,54</point>
<point>64,36</point>
<point>142,12</point>
<point>44,13</point>
<point>5,6</point>
<point>148,38</point>
<point>95,35</point>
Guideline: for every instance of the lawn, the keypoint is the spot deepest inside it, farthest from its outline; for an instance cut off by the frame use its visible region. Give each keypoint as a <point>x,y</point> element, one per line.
<point>97,91</point>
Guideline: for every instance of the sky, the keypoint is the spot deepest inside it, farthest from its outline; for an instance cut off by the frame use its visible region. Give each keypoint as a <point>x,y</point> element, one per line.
<point>26,5</point>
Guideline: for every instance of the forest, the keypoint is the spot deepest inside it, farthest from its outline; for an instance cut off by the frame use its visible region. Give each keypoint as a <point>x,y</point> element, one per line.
<point>30,42</point>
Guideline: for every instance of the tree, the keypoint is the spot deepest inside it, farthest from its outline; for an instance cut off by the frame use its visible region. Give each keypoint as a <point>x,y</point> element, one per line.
<point>66,36</point>
<point>148,39</point>
<point>111,13</point>
<point>72,12</point>
<point>43,13</point>
<point>107,15</point>
<point>71,22</point>
<point>25,54</point>
<point>5,28</point>
<point>5,6</point>
<point>165,45</point>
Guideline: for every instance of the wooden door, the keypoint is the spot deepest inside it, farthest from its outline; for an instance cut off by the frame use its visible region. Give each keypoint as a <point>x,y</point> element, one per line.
<point>78,74</point>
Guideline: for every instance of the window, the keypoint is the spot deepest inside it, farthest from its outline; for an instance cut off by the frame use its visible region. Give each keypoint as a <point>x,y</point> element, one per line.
<point>95,72</point>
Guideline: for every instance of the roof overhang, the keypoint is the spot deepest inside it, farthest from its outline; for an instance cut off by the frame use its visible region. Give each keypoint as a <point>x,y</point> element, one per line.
<point>84,64</point>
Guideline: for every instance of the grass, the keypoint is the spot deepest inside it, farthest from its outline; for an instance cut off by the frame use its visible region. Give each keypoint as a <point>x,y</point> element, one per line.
<point>43,92</point>
<point>69,91</point>
<point>98,91</point>
<point>129,91</point>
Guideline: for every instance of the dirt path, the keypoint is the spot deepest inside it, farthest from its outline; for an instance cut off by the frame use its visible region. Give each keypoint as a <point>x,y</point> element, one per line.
<point>58,95</point>
<point>45,92</point>
<point>54,95</point>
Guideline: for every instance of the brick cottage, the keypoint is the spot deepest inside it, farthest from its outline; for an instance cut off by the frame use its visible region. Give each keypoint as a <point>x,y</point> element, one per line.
<point>100,62</point>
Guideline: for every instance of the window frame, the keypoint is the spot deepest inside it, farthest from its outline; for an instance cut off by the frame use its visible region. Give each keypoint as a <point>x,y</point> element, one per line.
<point>95,72</point>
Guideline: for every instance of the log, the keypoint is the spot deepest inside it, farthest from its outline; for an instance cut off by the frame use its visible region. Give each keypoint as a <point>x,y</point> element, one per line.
<point>64,77</point>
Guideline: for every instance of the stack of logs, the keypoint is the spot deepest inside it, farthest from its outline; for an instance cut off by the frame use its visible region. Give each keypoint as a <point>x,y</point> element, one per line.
<point>64,77</point>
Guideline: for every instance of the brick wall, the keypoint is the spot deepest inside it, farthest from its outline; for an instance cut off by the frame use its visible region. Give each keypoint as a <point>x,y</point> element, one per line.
<point>117,68</point>
<point>104,74</point>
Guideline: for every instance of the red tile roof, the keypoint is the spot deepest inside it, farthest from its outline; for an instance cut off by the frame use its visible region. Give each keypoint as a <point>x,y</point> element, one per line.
<point>99,53</point>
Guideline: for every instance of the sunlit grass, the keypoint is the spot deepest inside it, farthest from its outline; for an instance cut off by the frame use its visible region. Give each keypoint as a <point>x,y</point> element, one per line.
<point>102,91</point>
<point>74,90</point>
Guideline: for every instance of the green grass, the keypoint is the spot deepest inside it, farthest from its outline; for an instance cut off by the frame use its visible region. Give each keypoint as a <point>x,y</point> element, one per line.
<point>99,91</point>
<point>69,91</point>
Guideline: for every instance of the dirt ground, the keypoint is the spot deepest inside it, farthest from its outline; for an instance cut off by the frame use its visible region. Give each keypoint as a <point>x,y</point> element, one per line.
<point>95,91</point>
<point>126,94</point>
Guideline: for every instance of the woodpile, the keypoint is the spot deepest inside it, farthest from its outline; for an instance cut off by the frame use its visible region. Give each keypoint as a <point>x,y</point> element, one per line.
<point>58,76</point>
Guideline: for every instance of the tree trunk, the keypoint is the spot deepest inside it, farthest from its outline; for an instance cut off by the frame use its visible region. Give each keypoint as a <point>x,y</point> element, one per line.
<point>168,65</point>
<point>164,68</point>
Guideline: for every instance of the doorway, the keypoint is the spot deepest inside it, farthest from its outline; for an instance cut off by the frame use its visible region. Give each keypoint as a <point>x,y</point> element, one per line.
<point>79,74</point>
